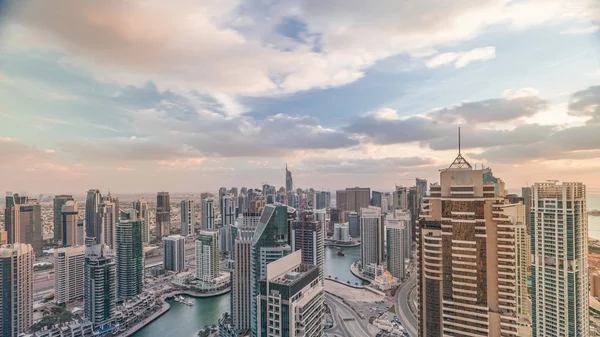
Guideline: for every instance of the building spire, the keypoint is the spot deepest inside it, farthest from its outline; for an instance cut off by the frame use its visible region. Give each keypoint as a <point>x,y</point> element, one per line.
<point>459,140</point>
<point>460,162</point>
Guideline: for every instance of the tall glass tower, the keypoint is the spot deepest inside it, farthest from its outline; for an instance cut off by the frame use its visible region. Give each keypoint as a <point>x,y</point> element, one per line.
<point>559,232</point>
<point>270,242</point>
<point>130,259</point>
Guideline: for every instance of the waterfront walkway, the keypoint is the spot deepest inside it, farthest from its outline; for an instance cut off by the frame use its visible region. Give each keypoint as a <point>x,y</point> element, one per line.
<point>195,294</point>
<point>165,307</point>
<point>354,270</point>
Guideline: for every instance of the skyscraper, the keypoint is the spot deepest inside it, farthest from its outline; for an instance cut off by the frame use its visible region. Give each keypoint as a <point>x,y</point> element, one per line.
<point>340,200</point>
<point>57,204</point>
<point>30,223</point>
<point>225,239</point>
<point>516,214</point>
<point>401,197</point>
<point>163,214</point>
<point>291,299</point>
<point>395,243</point>
<point>270,242</point>
<point>308,236</point>
<point>354,224</point>
<point>11,218</point>
<point>241,290</point>
<point>69,264</point>
<point>376,199</point>
<point>130,259</point>
<point>466,254</point>
<point>421,186</point>
<point>341,232</point>
<point>109,215</point>
<point>100,288</point>
<point>227,210</point>
<point>16,285</point>
<point>559,232</point>
<point>406,216</point>
<point>188,217</point>
<point>69,218</point>
<point>372,237</point>
<point>289,181</point>
<point>222,192</point>
<point>92,214</point>
<point>208,214</point>
<point>141,208</point>
<point>357,198</point>
<point>174,253</point>
<point>207,256</point>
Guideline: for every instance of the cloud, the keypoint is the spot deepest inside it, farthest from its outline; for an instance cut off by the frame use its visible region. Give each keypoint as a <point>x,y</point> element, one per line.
<point>462,59</point>
<point>366,165</point>
<point>520,143</point>
<point>581,30</point>
<point>394,131</point>
<point>19,157</point>
<point>586,103</point>
<point>227,48</point>
<point>176,134</point>
<point>515,104</point>
<point>438,126</point>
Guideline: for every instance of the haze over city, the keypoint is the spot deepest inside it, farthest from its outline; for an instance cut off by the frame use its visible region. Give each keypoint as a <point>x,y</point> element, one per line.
<point>146,96</point>
<point>300,168</point>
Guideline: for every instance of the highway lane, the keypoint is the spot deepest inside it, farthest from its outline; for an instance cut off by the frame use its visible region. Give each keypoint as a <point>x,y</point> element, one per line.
<point>355,328</point>
<point>44,281</point>
<point>409,321</point>
<point>338,329</point>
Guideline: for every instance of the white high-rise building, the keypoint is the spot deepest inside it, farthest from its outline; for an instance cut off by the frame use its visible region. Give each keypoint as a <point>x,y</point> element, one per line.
<point>241,288</point>
<point>69,217</point>
<point>372,248</point>
<point>16,285</point>
<point>188,217</point>
<point>208,214</point>
<point>68,274</point>
<point>227,210</point>
<point>341,232</point>
<point>108,223</point>
<point>174,253</point>
<point>291,299</point>
<point>405,215</point>
<point>207,256</point>
<point>516,213</point>
<point>395,233</point>
<point>141,208</point>
<point>559,230</point>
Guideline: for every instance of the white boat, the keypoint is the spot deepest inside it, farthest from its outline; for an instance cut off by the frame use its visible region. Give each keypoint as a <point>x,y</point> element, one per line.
<point>183,300</point>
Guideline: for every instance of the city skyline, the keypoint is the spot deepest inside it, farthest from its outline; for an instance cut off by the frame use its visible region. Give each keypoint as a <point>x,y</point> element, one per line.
<point>300,168</point>
<point>113,109</point>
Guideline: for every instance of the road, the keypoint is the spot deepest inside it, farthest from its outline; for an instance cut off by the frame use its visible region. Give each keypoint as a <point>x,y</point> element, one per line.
<point>354,327</point>
<point>403,294</point>
<point>44,281</point>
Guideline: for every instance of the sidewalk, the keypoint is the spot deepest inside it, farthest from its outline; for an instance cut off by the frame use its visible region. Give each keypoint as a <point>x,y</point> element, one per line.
<point>140,325</point>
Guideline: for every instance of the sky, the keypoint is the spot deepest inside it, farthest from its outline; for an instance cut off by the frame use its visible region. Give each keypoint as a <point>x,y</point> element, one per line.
<point>188,96</point>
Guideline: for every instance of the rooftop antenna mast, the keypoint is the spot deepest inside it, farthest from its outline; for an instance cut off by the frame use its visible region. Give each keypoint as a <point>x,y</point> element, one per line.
<point>460,162</point>
<point>459,140</point>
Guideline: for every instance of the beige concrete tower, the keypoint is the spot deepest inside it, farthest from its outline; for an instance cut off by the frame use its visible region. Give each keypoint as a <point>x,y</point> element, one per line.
<point>466,257</point>
<point>16,273</point>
